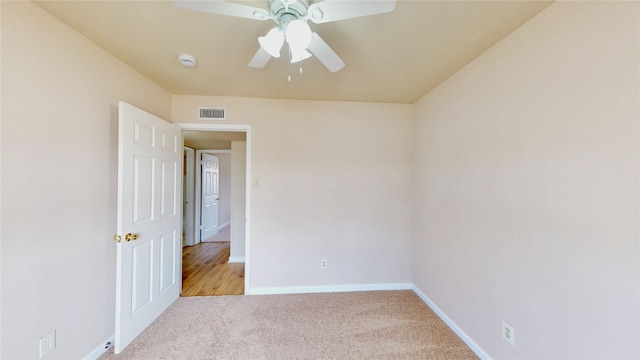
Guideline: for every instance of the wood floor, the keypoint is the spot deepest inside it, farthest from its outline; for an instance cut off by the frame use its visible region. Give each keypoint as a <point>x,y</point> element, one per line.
<point>207,272</point>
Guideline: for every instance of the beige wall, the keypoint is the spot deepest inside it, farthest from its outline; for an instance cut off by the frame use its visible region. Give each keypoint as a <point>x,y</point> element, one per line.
<point>224,215</point>
<point>527,188</point>
<point>59,182</point>
<point>335,184</point>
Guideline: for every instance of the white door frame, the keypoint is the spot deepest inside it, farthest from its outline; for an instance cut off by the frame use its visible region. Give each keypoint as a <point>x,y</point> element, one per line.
<point>198,191</point>
<point>189,225</point>
<point>247,226</point>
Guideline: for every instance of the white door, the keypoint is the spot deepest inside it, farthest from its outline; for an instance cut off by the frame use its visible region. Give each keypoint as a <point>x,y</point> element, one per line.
<point>149,269</point>
<point>210,196</point>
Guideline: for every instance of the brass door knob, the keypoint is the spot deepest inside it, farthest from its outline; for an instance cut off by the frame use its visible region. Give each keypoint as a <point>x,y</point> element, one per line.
<point>131,237</point>
<point>117,238</point>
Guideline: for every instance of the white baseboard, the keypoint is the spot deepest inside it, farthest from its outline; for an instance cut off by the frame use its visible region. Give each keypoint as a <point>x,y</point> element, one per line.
<point>101,349</point>
<point>453,326</point>
<point>236,259</point>
<point>327,288</point>
<point>220,227</point>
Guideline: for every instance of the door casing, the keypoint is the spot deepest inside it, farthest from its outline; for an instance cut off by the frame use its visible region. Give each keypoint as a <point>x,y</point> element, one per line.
<point>189,193</point>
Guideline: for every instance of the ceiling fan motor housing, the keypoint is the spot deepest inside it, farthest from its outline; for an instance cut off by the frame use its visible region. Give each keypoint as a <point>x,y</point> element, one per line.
<point>286,11</point>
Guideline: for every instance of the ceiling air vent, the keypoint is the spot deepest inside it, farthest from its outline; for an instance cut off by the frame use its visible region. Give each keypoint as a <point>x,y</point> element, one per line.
<point>212,113</point>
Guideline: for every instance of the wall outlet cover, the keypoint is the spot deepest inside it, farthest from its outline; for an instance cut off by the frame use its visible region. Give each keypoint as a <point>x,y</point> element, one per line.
<point>508,333</point>
<point>47,344</point>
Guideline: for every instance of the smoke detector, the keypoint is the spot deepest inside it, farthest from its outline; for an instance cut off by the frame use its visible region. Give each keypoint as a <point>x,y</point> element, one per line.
<point>187,60</point>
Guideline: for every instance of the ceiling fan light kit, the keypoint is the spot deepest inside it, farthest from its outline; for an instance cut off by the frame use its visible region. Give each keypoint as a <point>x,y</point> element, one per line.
<point>272,42</point>
<point>291,18</point>
<point>298,35</point>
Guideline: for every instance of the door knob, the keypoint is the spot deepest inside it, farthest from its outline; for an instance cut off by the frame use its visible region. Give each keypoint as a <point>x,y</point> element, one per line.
<point>117,238</point>
<point>131,237</point>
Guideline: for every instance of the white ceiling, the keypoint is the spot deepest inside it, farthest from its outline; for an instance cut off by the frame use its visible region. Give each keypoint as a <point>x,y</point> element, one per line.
<point>395,57</point>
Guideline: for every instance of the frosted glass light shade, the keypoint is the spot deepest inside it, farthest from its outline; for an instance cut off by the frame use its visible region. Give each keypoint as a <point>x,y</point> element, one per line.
<point>299,55</point>
<point>298,35</point>
<point>272,42</point>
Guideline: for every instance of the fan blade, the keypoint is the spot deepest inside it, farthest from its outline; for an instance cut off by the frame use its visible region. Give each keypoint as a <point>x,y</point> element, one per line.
<point>260,59</point>
<point>325,54</point>
<point>333,10</point>
<point>225,8</point>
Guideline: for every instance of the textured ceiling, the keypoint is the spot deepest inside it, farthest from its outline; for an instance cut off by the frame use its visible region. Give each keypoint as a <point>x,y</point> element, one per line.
<point>395,57</point>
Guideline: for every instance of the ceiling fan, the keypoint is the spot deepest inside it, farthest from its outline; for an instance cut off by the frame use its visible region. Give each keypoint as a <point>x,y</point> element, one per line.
<point>291,18</point>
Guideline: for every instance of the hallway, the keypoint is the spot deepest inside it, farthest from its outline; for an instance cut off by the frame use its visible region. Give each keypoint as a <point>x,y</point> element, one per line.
<point>207,272</point>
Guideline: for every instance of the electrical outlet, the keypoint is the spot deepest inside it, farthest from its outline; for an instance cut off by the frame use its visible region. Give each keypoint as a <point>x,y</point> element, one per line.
<point>47,344</point>
<point>323,264</point>
<point>508,333</point>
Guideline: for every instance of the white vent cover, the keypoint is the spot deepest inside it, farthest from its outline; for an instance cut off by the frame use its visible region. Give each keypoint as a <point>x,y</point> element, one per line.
<point>212,113</point>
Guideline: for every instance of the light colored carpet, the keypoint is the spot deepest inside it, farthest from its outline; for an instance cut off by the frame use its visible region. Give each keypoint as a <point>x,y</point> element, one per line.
<point>357,325</point>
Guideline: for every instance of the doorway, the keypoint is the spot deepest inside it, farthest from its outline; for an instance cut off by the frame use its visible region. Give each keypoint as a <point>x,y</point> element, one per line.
<point>213,265</point>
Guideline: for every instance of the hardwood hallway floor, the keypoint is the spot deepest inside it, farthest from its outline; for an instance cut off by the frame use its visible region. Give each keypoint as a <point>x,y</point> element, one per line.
<point>206,271</point>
